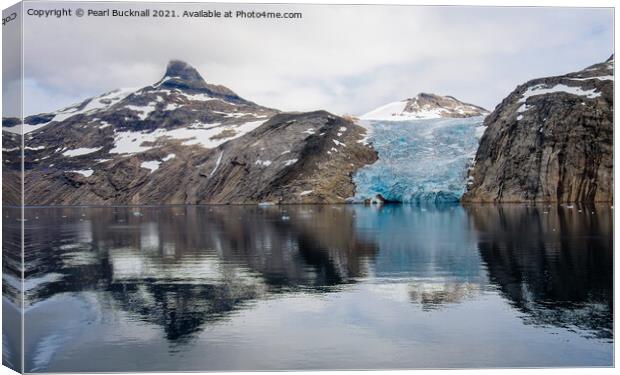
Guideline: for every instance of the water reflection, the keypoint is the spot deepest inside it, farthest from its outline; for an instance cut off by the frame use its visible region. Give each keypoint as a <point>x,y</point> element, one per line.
<point>11,290</point>
<point>183,266</point>
<point>430,247</point>
<point>554,263</point>
<point>185,269</point>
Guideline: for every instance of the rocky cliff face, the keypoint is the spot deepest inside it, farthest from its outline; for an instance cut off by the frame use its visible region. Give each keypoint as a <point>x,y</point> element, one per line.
<point>185,141</point>
<point>11,164</point>
<point>425,106</point>
<point>550,140</point>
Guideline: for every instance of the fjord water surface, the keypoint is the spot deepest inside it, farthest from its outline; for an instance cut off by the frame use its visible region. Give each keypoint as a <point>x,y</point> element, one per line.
<point>316,287</point>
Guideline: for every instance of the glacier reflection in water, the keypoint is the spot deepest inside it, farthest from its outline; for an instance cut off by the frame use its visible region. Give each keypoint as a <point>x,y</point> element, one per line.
<point>419,160</point>
<point>239,288</point>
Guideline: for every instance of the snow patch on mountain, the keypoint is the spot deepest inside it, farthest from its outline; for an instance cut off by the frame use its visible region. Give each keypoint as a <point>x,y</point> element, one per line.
<point>81,151</point>
<point>573,90</point>
<point>151,165</point>
<point>84,172</point>
<point>106,100</point>
<point>143,111</point>
<point>217,164</point>
<point>263,163</point>
<point>600,78</point>
<point>200,97</point>
<point>130,142</point>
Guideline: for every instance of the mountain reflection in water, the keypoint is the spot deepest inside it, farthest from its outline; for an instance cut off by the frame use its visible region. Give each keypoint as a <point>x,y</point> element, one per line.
<point>194,271</point>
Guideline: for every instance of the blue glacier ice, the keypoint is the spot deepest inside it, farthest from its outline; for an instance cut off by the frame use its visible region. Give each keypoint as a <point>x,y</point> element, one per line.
<point>420,161</point>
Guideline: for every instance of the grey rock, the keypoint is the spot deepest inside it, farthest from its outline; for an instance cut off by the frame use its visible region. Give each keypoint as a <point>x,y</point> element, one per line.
<point>550,140</point>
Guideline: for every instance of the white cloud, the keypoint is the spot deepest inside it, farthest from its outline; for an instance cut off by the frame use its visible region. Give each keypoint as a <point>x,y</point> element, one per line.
<point>346,59</point>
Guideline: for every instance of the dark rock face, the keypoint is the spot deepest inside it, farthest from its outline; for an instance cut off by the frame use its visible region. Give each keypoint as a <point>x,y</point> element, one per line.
<point>180,75</point>
<point>185,141</point>
<point>11,165</point>
<point>550,140</point>
<point>183,71</point>
<point>292,158</point>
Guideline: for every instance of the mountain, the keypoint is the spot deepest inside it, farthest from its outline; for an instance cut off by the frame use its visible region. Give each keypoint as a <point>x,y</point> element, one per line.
<point>550,140</point>
<point>184,141</point>
<point>424,106</point>
<point>11,163</point>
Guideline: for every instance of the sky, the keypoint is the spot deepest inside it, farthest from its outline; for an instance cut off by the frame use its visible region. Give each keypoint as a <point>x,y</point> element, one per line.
<point>345,59</point>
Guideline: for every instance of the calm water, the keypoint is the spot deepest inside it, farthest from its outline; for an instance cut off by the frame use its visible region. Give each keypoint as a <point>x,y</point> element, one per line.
<point>315,287</point>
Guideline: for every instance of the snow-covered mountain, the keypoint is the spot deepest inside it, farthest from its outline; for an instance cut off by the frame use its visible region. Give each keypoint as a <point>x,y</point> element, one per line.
<point>182,94</point>
<point>182,140</point>
<point>423,107</point>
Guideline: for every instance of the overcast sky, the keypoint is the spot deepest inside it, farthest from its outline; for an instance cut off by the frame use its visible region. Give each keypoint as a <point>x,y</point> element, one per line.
<point>346,59</point>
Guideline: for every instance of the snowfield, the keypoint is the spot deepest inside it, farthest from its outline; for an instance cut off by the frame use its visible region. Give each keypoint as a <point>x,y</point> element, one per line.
<point>84,172</point>
<point>131,142</point>
<point>80,151</point>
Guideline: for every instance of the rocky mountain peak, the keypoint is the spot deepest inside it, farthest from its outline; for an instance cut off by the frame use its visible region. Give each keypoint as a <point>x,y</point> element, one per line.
<point>425,106</point>
<point>447,106</point>
<point>182,76</point>
<point>182,70</point>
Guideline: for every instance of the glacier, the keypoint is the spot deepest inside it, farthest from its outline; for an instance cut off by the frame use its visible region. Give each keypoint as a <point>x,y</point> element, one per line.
<point>420,161</point>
